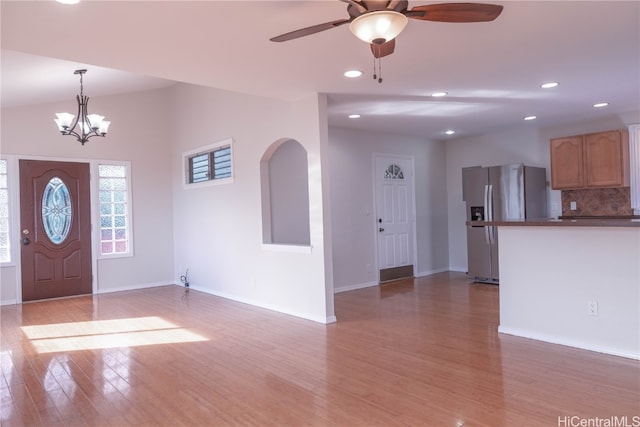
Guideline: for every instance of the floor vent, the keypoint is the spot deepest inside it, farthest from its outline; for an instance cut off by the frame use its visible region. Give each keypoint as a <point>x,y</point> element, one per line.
<point>388,274</point>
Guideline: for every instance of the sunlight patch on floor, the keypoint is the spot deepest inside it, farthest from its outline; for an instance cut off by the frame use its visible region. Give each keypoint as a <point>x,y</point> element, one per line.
<point>102,334</point>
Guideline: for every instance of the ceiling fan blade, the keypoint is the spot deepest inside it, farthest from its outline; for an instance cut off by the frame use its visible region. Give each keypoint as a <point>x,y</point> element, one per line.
<point>398,5</point>
<point>384,49</point>
<point>360,8</point>
<point>456,12</point>
<point>309,30</point>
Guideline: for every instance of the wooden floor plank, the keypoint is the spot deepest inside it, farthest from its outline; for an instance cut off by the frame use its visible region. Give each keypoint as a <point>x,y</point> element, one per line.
<point>416,352</point>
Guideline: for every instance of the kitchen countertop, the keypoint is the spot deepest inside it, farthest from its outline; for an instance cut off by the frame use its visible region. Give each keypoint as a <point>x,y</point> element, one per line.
<point>554,222</point>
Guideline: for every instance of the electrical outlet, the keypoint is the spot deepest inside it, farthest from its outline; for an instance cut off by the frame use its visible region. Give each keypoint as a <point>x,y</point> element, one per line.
<point>573,206</point>
<point>592,308</point>
<point>369,268</point>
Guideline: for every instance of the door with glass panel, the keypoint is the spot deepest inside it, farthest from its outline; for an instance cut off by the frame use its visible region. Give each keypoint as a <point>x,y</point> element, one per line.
<point>395,223</point>
<point>55,226</point>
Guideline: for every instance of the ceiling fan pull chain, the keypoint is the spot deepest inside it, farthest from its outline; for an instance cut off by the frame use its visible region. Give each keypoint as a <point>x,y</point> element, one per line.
<point>374,69</point>
<point>377,75</point>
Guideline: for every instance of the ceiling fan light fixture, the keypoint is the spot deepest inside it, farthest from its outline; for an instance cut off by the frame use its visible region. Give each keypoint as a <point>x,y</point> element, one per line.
<point>379,26</point>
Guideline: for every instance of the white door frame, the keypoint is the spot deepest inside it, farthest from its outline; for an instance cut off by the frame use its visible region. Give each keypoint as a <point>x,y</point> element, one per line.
<point>14,212</point>
<point>412,183</point>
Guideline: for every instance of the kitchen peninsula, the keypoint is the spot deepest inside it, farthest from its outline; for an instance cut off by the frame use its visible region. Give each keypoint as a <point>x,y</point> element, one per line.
<point>572,282</point>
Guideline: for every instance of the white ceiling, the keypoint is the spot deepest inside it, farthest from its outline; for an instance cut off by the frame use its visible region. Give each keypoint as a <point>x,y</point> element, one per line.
<point>492,71</point>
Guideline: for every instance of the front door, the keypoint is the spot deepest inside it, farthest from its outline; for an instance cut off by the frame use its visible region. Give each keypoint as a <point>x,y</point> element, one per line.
<point>395,226</point>
<point>55,224</point>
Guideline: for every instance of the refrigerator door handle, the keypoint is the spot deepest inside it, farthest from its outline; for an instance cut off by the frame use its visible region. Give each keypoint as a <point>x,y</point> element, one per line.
<point>486,203</point>
<point>490,201</point>
<point>486,214</point>
<point>491,233</point>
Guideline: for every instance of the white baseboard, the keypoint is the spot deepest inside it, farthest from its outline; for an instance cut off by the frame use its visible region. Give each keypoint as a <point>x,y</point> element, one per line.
<point>371,284</point>
<point>272,307</point>
<point>108,290</point>
<point>283,310</point>
<point>458,269</point>
<point>568,342</point>
<point>134,287</point>
<point>430,272</point>
<point>354,287</point>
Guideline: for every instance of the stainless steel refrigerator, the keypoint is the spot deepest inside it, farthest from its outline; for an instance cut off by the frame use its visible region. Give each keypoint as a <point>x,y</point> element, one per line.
<point>498,193</point>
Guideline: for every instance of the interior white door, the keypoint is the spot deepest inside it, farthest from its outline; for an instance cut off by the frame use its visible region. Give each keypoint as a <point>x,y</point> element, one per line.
<point>395,209</point>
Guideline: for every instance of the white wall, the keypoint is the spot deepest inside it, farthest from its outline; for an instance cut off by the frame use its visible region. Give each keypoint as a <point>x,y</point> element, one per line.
<point>8,281</point>
<point>524,144</point>
<point>138,134</point>
<point>218,234</point>
<point>546,285</point>
<point>353,209</point>
<point>217,229</point>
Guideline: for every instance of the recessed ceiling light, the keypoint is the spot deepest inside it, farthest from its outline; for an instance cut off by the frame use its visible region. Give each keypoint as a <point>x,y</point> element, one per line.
<point>600,104</point>
<point>529,118</point>
<point>354,116</point>
<point>450,132</point>
<point>439,94</point>
<point>353,73</point>
<point>68,1</point>
<point>549,85</point>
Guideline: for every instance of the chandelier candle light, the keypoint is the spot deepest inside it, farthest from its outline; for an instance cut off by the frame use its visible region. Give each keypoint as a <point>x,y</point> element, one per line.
<point>85,125</point>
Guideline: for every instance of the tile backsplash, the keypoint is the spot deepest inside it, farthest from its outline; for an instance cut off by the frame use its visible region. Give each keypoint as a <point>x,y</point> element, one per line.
<point>597,202</point>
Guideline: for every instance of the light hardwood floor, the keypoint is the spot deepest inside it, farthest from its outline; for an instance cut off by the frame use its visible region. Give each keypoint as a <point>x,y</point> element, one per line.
<point>421,352</point>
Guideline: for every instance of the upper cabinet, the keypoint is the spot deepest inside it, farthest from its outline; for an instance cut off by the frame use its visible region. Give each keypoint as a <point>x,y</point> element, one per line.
<point>567,169</point>
<point>594,160</point>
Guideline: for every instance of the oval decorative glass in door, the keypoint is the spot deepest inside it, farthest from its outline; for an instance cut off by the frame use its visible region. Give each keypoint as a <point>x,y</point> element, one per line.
<point>56,210</point>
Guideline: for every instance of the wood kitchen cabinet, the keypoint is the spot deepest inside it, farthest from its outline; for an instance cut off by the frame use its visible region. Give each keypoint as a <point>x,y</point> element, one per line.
<point>594,160</point>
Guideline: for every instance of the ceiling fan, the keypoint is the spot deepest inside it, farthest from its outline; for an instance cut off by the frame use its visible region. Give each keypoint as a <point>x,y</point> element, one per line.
<point>378,22</point>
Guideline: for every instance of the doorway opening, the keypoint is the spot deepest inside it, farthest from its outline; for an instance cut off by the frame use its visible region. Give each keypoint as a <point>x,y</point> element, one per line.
<point>395,216</point>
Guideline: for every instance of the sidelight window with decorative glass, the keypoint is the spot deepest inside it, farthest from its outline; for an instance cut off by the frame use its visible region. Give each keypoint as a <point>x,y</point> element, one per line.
<point>85,125</point>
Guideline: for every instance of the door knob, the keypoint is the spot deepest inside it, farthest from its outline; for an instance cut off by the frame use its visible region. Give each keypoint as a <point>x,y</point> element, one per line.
<point>379,229</point>
<point>26,241</point>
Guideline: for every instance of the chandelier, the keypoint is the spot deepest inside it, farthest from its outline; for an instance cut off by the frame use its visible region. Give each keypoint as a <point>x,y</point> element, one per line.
<point>85,125</point>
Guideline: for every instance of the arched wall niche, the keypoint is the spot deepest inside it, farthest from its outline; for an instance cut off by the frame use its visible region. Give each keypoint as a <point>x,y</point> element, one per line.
<point>284,180</point>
